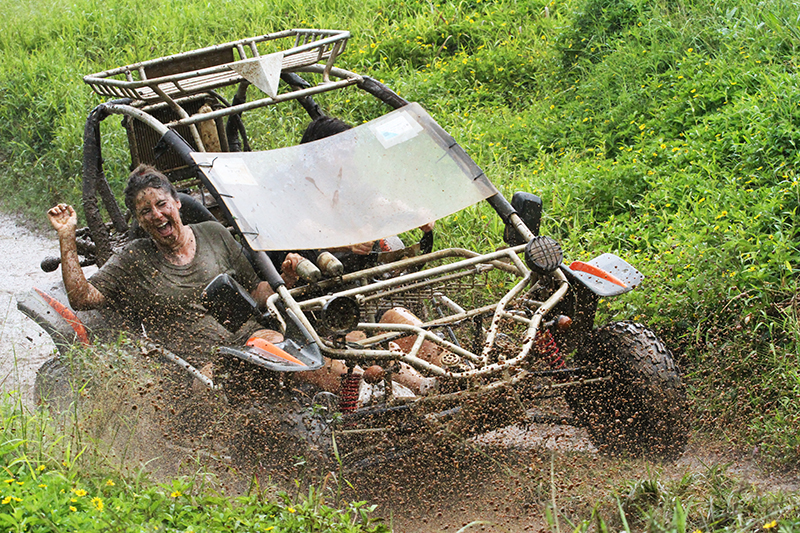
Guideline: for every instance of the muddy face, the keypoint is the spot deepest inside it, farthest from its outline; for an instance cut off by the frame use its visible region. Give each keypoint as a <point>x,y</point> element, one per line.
<point>158,213</point>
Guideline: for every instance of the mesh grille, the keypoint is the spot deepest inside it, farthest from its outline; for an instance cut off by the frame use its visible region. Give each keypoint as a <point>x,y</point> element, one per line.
<point>543,254</point>
<point>419,299</point>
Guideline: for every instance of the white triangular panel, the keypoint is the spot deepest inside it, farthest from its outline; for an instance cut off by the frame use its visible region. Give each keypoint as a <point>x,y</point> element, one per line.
<point>264,72</point>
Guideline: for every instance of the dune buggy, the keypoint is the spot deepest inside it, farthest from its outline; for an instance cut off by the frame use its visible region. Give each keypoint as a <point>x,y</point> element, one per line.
<point>502,332</point>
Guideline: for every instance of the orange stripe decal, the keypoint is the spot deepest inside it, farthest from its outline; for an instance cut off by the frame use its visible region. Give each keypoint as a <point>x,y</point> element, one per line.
<point>67,314</point>
<point>580,266</point>
<point>257,342</point>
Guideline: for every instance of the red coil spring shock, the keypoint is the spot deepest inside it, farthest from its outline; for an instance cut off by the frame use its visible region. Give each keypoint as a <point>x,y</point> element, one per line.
<point>348,392</point>
<point>548,349</point>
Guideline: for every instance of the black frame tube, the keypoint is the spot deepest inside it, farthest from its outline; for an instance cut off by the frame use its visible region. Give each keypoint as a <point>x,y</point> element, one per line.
<point>95,183</point>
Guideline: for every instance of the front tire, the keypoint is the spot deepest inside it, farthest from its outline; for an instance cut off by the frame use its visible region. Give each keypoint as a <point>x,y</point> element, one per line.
<point>271,424</point>
<point>641,409</point>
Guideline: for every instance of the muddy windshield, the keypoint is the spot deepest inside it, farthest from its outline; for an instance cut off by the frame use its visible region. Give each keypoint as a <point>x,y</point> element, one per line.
<point>387,176</point>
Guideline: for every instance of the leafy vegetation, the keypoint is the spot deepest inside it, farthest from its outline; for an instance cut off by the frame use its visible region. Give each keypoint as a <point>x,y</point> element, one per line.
<point>707,501</point>
<point>663,131</point>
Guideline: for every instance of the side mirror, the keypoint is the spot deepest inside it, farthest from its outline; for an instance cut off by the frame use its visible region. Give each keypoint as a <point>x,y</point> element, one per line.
<point>529,208</point>
<point>228,302</point>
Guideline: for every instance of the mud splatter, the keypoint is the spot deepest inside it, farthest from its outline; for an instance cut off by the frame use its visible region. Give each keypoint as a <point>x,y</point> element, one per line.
<point>502,478</point>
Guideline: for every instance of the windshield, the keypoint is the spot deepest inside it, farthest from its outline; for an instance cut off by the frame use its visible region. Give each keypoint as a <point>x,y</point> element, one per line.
<point>382,178</point>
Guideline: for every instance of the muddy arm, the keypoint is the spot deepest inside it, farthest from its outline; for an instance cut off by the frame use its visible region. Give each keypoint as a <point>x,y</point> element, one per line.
<point>82,294</point>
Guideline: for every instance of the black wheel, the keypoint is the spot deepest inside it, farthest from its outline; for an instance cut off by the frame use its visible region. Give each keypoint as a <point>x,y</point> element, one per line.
<point>280,436</point>
<point>57,385</point>
<point>272,425</point>
<point>641,408</point>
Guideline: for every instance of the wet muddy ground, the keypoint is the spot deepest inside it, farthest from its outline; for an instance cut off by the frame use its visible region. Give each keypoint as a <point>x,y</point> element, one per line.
<point>502,480</point>
<point>23,345</point>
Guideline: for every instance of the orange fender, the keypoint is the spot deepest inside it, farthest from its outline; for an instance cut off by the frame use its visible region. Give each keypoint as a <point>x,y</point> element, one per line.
<point>261,344</point>
<point>594,271</point>
<point>68,315</point>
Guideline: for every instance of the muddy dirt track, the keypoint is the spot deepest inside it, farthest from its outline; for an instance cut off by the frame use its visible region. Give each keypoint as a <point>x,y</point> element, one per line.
<point>23,344</point>
<point>505,478</point>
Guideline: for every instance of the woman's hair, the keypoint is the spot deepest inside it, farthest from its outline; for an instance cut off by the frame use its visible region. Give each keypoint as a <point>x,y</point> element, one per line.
<point>146,177</point>
<point>323,126</point>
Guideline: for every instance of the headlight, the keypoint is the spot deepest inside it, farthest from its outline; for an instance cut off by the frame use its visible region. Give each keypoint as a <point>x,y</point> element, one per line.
<point>543,254</point>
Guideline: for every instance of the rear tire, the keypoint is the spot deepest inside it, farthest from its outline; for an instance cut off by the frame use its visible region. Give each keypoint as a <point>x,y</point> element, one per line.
<point>57,385</point>
<point>642,408</point>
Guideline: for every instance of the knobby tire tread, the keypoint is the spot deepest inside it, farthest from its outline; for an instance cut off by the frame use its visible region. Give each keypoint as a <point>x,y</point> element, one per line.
<point>642,410</point>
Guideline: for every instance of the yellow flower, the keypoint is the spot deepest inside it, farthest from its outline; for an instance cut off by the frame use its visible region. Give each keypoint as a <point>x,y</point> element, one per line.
<point>176,494</point>
<point>109,483</point>
<point>97,503</point>
<point>41,468</point>
<point>6,500</point>
<point>73,509</point>
<point>10,481</point>
<point>771,525</point>
<point>42,486</point>
<point>79,492</point>
<point>291,510</point>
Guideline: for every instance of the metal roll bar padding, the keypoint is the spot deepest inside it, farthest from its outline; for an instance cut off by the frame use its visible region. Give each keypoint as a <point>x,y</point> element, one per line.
<point>509,215</point>
<point>381,92</point>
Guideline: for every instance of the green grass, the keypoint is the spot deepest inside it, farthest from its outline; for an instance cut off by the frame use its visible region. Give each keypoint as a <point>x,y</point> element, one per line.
<point>46,496</point>
<point>709,499</point>
<point>664,131</point>
<point>706,501</point>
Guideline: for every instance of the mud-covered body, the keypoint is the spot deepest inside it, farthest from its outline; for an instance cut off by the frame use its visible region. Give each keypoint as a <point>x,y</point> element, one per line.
<point>503,325</point>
